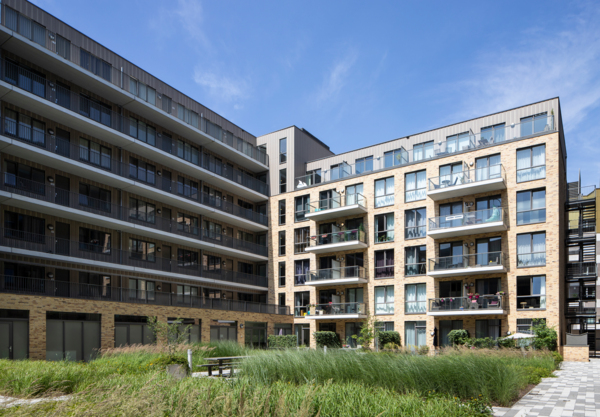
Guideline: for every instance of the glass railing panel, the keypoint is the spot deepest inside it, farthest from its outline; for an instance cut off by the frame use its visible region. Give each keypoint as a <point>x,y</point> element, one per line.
<point>473,302</point>
<point>467,177</point>
<point>338,237</point>
<point>531,259</point>
<point>415,269</point>
<point>336,273</point>
<point>473,260</point>
<point>336,309</point>
<point>531,216</point>
<point>470,218</point>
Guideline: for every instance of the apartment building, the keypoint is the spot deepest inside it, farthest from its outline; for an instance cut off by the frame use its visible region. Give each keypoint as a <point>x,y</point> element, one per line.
<point>121,198</point>
<point>460,227</point>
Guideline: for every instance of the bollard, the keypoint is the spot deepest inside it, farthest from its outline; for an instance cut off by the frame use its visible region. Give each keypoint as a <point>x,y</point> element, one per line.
<point>324,349</point>
<point>190,359</point>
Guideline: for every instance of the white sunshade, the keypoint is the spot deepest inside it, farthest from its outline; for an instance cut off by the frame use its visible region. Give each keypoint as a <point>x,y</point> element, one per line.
<point>520,336</point>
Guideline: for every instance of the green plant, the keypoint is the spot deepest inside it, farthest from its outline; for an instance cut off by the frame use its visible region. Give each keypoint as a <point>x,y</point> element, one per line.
<point>329,339</point>
<point>557,358</point>
<point>170,334</point>
<point>484,342</point>
<point>368,331</point>
<point>545,337</point>
<point>423,350</point>
<point>283,341</point>
<point>535,374</point>
<point>391,346</point>
<point>458,337</point>
<point>503,342</point>
<point>388,336</point>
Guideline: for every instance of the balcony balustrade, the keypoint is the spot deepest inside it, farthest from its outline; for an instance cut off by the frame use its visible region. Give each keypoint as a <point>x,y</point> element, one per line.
<point>468,223</point>
<point>474,305</point>
<point>471,264</point>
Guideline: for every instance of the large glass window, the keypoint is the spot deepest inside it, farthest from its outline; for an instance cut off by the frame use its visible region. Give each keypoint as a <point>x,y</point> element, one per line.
<point>187,223</point>
<point>302,205</point>
<point>384,263</point>
<point>282,180</point>
<point>142,171</point>
<point>531,292</point>
<point>192,154</point>
<point>355,195</point>
<point>416,186</point>
<point>531,163</point>
<point>282,274</point>
<point>384,192</point>
<point>142,210</point>
<point>301,302</point>
<point>423,151</point>
<point>395,157</point>
<point>282,150</point>
<point>141,289</point>
<point>24,128</point>
<point>535,124</point>
<point>489,251</point>
<point>25,78</point>
<point>24,227</point>
<point>281,212</point>
<point>451,256</point>
<point>531,249</point>
<point>24,177</point>
<point>415,334</point>
<point>487,328</point>
<point>94,241</point>
<point>94,197</point>
<point>282,243</point>
<point>142,250</point>
<point>459,142</point>
<point>415,298</point>
<point>94,153</point>
<point>187,258</point>
<point>415,260</point>
<point>187,188</point>
<point>143,91</point>
<point>450,175</point>
<point>531,206</point>
<point>493,134</point>
<point>300,271</point>
<point>93,64</point>
<point>301,238</point>
<point>25,26</point>
<point>415,223</point>
<point>384,228</point>
<point>384,300</point>
<point>363,164</point>
<point>488,167</point>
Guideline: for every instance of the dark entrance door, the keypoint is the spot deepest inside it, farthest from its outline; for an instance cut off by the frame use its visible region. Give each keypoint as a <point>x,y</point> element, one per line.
<point>62,283</point>
<point>62,190</point>
<point>63,234</point>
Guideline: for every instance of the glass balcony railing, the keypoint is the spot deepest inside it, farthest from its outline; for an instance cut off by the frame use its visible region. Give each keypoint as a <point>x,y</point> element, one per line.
<point>474,303</point>
<point>470,218</point>
<point>474,260</point>
<point>415,269</point>
<point>64,49</point>
<point>320,275</point>
<point>337,202</point>
<point>471,176</point>
<point>531,259</point>
<point>338,237</point>
<point>450,146</point>
<point>336,309</point>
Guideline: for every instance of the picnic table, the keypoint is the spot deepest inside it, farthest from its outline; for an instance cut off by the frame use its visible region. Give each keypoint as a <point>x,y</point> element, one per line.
<point>222,363</point>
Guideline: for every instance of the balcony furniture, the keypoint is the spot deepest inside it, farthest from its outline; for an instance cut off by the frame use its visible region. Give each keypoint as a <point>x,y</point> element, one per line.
<point>523,304</point>
<point>474,305</point>
<point>446,183</point>
<point>483,141</point>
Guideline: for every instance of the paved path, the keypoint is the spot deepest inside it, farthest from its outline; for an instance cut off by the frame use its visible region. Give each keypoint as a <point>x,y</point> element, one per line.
<point>576,392</point>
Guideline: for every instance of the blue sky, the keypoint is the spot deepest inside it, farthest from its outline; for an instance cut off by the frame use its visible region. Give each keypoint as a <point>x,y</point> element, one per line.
<point>356,73</point>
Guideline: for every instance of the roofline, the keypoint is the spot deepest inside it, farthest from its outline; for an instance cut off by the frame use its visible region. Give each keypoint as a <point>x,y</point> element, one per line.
<point>437,128</point>
<point>300,129</point>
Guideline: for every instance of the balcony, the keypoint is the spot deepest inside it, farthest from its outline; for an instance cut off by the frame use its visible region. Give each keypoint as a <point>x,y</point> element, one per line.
<point>472,264</point>
<point>336,311</point>
<point>583,307</point>
<point>473,222</point>
<point>103,255</point>
<point>338,241</point>
<point>577,270</point>
<point>99,77</point>
<point>52,288</point>
<point>337,276</point>
<point>584,230</point>
<point>35,93</point>
<point>469,182</point>
<point>465,306</point>
<point>340,206</point>
<point>51,200</point>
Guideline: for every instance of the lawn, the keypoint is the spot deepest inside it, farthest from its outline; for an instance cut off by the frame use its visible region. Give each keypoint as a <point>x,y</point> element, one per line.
<point>133,382</point>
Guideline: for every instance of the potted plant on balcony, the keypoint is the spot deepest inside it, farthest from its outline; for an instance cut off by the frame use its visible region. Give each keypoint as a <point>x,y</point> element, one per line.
<point>470,295</point>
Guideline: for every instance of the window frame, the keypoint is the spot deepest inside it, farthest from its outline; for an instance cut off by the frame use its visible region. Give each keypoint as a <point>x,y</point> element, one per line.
<point>531,234</point>
<point>138,214</point>
<point>300,246</point>
<point>385,232</point>
<point>422,310</point>
<point>422,270</point>
<point>415,190</point>
<point>282,245</point>
<point>424,226</point>
<point>300,216</point>
<point>531,166</point>
<point>530,295</point>
<point>282,180</point>
<point>281,273</point>
<point>531,192</point>
<point>386,266</point>
<point>363,163</point>
<point>136,244</point>
<point>385,195</point>
<point>296,281</point>
<point>386,299</point>
<point>282,212</point>
<point>283,155</point>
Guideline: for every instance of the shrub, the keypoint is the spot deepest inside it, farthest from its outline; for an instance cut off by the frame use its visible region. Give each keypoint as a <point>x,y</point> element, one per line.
<point>458,337</point>
<point>484,342</point>
<point>283,341</point>
<point>423,350</point>
<point>391,346</point>
<point>389,337</point>
<point>329,339</point>
<point>503,342</point>
<point>557,358</point>
<point>545,337</point>
<point>535,374</point>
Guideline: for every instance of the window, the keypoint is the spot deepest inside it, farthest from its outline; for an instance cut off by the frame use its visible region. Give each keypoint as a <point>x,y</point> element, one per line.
<point>282,274</point>
<point>450,175</point>
<point>488,167</point>
<point>487,328</point>
<point>301,271</point>
<point>142,211</point>
<point>301,239</point>
<point>384,263</point>
<point>415,334</point>
<point>531,249</point>
<point>415,226</point>
<point>415,298</point>
<point>459,142</point>
<point>25,78</point>
<point>281,299</point>
<point>531,163</point>
<point>385,326</point>
<point>187,223</point>
<point>25,26</point>
<point>531,206</point>
<point>191,118</point>
<point>95,285</point>
<point>142,91</point>
<point>63,47</point>
<point>186,291</point>
<point>281,212</point>
<point>245,236</point>
<point>282,243</point>
<point>302,207</point>
<point>535,124</point>
<point>95,110</point>
<point>384,192</point>
<point>24,128</point>
<point>489,251</point>
<point>416,183</point>
<point>94,197</point>
<point>423,151</point>
<point>395,157</point>
<point>384,300</point>
<point>526,325</point>
<point>24,227</point>
<point>340,171</point>
<point>354,195</point>
<point>187,258</point>
<point>142,250</point>
<point>94,64</point>
<point>363,164</point>
<point>94,241</point>
<point>142,171</point>
<point>187,188</point>
<point>211,263</point>
<point>25,178</point>
<point>448,216</point>
<point>283,150</point>
<point>384,227</point>
<point>301,302</point>
<point>282,180</point>
<point>531,292</point>
<point>450,256</point>
<point>167,104</point>
<point>493,134</point>
<point>142,131</point>
<point>415,259</point>
<point>94,153</point>
<point>191,154</point>
<point>141,289</point>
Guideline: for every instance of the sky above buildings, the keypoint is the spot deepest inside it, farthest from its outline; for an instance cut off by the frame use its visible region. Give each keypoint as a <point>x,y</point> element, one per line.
<point>355,73</point>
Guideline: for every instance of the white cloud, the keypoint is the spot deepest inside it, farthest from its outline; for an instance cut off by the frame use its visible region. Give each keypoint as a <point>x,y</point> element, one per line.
<point>221,86</point>
<point>336,78</point>
<point>190,15</point>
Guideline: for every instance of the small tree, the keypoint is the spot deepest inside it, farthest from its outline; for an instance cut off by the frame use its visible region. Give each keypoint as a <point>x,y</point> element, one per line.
<point>545,337</point>
<point>368,332</point>
<point>169,333</point>
<point>458,337</point>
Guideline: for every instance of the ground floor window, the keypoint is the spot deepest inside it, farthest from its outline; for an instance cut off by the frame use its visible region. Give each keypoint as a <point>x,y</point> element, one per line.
<point>223,331</point>
<point>352,329</point>
<point>303,333</point>
<point>14,334</point>
<point>415,334</point>
<point>187,327</point>
<point>446,326</point>
<point>283,329</point>
<point>487,328</point>
<point>132,330</point>
<point>256,334</point>
<point>72,336</point>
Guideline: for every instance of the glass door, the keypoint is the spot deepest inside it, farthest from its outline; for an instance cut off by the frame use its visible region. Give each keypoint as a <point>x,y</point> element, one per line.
<point>354,297</point>
<point>352,329</point>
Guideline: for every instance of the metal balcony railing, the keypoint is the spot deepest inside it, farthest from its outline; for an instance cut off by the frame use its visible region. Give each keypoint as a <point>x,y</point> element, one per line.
<point>474,260</point>
<point>64,49</point>
<point>587,192</point>
<point>586,228</point>
<point>337,202</point>
<point>336,273</point>
<point>53,288</point>
<point>104,252</point>
<point>471,176</point>
<point>470,218</point>
<point>475,303</point>
<point>582,269</point>
<point>338,237</point>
